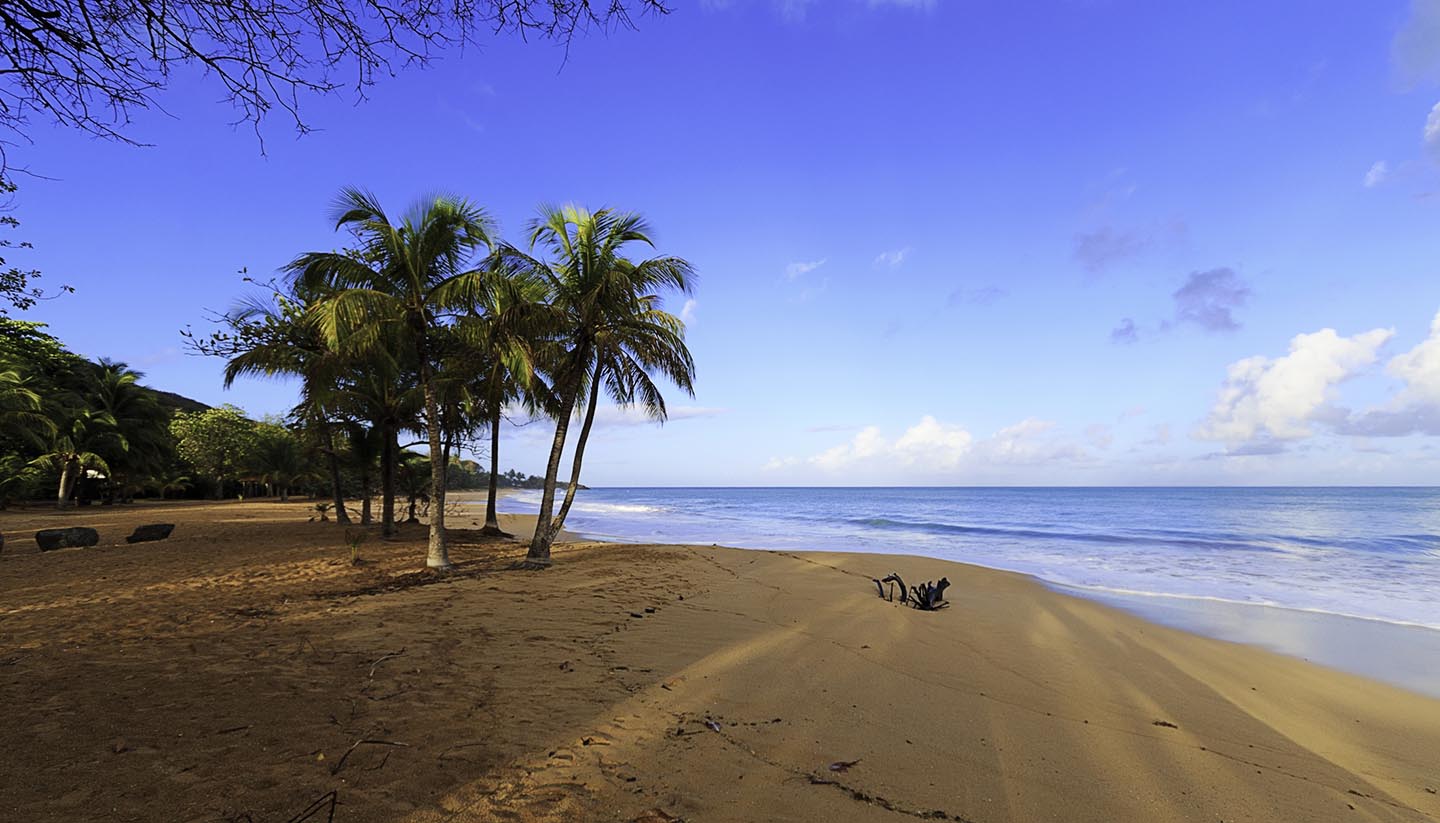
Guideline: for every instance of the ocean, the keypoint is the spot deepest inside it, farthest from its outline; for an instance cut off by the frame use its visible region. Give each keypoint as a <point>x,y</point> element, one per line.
<point>1348,577</point>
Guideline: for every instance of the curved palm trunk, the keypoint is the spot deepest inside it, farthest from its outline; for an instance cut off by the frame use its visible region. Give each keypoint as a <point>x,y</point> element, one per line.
<point>341,516</point>
<point>539,554</point>
<point>68,474</point>
<point>492,519</point>
<point>579,456</point>
<point>387,480</point>
<point>438,555</point>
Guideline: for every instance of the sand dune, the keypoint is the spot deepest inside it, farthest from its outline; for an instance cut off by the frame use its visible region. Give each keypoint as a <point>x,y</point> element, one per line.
<point>244,668</point>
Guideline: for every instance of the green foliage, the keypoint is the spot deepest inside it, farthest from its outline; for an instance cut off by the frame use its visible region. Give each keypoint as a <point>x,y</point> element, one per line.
<point>608,329</point>
<point>277,458</point>
<point>18,480</point>
<point>218,442</point>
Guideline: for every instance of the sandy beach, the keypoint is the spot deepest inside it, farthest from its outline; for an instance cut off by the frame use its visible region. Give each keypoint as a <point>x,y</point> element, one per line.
<point>244,668</point>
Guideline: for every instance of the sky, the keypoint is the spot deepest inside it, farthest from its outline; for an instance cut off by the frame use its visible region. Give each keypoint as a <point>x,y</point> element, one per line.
<point>1095,242</point>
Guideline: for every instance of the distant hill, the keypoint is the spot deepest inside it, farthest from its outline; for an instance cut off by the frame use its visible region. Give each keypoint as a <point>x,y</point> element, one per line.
<point>177,402</point>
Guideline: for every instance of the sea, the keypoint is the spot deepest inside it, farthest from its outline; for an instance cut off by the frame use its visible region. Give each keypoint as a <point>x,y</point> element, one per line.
<point>1345,577</point>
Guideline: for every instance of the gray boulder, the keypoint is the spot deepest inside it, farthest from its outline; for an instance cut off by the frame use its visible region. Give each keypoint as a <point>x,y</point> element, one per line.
<point>74,537</point>
<point>153,531</point>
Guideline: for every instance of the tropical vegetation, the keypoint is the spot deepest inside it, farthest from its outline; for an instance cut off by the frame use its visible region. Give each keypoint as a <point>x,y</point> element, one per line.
<point>425,331</point>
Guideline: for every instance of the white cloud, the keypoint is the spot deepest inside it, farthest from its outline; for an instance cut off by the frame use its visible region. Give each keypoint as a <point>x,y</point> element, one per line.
<point>1278,398</point>
<point>932,448</point>
<point>1377,174</point>
<point>687,311</point>
<point>1432,131</point>
<point>610,416</point>
<point>796,270</point>
<point>1420,369</point>
<point>1415,408</point>
<point>891,259</point>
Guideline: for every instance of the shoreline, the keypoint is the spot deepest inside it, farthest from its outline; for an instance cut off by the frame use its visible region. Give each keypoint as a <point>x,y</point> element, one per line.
<point>232,669</point>
<point>1397,652</point>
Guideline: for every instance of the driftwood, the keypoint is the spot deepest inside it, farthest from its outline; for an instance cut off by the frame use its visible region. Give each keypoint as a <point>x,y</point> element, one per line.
<point>892,579</point>
<point>927,596</point>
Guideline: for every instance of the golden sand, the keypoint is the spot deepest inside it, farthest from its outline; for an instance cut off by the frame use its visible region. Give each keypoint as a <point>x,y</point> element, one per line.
<point>244,668</point>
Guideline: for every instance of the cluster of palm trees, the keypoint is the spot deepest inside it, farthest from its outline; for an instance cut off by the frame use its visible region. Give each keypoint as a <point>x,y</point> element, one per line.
<point>430,323</point>
<point>70,419</point>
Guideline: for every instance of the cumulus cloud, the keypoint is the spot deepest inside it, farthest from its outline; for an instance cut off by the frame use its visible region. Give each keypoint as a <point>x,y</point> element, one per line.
<point>1208,298</point>
<point>1415,408</point>
<point>1100,249</point>
<point>800,269</point>
<point>1377,174</point>
<point>891,259</point>
<point>932,447</point>
<point>687,311</point>
<point>1279,398</point>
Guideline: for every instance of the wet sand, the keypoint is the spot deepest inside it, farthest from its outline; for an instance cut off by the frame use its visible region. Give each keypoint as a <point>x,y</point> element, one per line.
<point>244,668</point>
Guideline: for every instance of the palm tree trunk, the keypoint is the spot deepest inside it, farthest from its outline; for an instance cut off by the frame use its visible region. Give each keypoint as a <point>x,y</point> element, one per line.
<point>67,482</point>
<point>387,480</point>
<point>492,520</point>
<point>341,516</point>
<point>579,456</point>
<point>365,499</point>
<point>437,554</point>
<point>539,554</point>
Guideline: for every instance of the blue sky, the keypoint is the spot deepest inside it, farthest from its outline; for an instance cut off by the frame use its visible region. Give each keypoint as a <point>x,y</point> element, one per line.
<point>939,242</point>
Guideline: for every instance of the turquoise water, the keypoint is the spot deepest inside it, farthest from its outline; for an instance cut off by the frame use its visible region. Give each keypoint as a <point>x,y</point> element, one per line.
<point>1353,571</point>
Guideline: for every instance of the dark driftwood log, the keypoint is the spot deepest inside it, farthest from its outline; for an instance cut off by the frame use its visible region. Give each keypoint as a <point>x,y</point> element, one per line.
<point>930,596</point>
<point>927,596</point>
<point>895,578</point>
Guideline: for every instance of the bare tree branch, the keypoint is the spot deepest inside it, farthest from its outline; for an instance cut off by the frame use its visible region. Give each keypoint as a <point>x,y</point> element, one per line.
<point>88,64</point>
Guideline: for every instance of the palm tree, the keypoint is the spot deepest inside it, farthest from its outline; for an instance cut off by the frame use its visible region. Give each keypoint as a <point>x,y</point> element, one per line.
<point>414,480</point>
<point>16,477</point>
<point>501,343</point>
<point>172,481</point>
<point>366,444</point>
<point>279,459</point>
<point>606,312</point>
<point>140,421</point>
<point>382,395</point>
<point>77,449</point>
<point>283,340</point>
<point>409,278</point>
<point>21,409</point>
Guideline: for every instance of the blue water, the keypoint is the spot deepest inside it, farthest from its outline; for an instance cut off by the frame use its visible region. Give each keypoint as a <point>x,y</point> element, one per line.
<point>1175,554</point>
